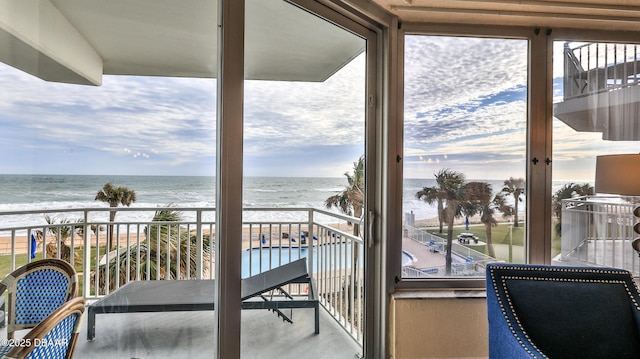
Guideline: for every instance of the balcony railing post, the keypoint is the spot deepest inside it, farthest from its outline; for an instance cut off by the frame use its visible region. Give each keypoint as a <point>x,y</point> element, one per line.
<point>86,276</point>
<point>310,242</point>
<point>13,250</point>
<point>199,244</point>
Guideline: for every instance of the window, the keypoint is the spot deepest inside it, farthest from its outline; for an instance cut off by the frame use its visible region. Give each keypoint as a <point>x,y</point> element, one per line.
<point>595,114</point>
<point>464,179</point>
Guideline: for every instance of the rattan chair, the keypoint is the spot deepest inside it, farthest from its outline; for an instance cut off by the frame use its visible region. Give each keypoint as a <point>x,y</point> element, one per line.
<point>35,290</point>
<point>54,338</point>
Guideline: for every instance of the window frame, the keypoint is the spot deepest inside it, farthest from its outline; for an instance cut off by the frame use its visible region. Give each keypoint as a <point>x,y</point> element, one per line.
<point>539,135</point>
<point>538,176</point>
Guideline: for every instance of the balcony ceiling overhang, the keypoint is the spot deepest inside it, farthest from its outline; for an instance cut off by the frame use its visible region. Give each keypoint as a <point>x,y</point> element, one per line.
<point>577,14</point>
<point>75,41</point>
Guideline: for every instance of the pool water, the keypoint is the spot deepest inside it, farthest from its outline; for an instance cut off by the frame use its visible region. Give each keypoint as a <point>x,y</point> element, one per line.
<point>258,260</point>
<point>406,258</point>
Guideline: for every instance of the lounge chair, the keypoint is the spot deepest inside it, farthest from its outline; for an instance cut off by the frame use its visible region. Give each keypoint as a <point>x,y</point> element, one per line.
<point>171,295</point>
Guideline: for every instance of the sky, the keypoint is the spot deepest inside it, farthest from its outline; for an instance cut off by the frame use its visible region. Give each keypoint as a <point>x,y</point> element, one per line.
<point>166,126</point>
<point>465,109</point>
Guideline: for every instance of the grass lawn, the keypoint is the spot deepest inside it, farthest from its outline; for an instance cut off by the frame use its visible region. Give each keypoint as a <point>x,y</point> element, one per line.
<point>502,235</point>
<point>21,259</point>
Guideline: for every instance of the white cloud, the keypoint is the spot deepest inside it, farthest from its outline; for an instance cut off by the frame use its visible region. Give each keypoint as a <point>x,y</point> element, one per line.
<point>445,72</point>
<point>282,114</point>
<point>140,114</point>
<point>173,119</point>
<point>465,106</point>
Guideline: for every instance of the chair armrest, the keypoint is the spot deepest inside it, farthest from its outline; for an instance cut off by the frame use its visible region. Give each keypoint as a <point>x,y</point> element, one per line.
<point>503,343</point>
<point>506,341</point>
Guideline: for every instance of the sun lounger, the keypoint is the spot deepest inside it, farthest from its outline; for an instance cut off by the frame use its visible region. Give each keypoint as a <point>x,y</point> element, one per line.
<point>193,295</point>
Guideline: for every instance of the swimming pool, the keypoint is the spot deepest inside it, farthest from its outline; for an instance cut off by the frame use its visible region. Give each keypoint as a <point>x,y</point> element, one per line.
<point>407,258</point>
<point>258,260</point>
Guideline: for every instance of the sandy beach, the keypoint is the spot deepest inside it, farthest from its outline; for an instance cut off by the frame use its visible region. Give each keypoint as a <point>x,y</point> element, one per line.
<point>251,238</point>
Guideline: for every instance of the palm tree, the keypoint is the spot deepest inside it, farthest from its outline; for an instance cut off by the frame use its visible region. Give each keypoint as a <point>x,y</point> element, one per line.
<point>514,187</point>
<point>61,230</point>
<point>568,190</point>
<point>436,194</point>
<point>160,239</point>
<point>454,195</point>
<point>351,200</point>
<point>481,199</point>
<point>115,196</point>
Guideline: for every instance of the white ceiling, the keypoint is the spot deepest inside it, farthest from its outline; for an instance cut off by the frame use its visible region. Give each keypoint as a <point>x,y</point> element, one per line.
<point>582,14</point>
<point>78,41</point>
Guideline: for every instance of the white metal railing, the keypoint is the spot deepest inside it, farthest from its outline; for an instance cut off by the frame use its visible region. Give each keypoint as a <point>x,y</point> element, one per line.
<point>144,249</point>
<point>598,67</point>
<point>598,231</point>
<point>469,261</point>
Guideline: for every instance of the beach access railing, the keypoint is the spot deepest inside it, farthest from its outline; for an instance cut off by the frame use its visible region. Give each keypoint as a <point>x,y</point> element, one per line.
<point>598,231</point>
<point>171,243</point>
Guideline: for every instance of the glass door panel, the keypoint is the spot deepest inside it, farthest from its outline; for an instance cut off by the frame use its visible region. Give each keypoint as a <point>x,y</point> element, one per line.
<point>303,185</point>
<point>111,166</point>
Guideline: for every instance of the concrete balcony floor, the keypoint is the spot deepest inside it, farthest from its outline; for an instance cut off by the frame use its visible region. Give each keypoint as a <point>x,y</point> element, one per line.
<point>190,335</point>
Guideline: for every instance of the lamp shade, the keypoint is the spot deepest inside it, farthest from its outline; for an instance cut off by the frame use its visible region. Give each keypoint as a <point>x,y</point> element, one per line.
<point>618,174</point>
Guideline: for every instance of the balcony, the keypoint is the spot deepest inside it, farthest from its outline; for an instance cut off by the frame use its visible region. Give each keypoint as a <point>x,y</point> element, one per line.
<point>150,244</point>
<point>601,92</point>
<point>598,231</point>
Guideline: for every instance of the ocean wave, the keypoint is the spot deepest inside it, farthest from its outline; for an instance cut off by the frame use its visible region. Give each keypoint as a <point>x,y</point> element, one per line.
<point>334,189</point>
<point>68,192</point>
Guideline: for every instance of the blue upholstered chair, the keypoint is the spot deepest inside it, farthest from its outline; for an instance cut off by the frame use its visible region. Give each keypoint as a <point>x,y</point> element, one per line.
<point>35,290</point>
<point>562,312</point>
<point>54,338</point>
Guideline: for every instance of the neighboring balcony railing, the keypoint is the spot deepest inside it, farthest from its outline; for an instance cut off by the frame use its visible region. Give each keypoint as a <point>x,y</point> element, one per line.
<point>598,231</point>
<point>598,67</point>
<point>142,245</point>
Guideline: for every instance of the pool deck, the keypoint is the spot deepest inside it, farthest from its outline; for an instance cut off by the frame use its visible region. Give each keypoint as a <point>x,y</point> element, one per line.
<point>424,257</point>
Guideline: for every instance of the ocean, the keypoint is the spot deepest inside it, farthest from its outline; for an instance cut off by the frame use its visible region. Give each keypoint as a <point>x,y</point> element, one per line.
<point>36,192</point>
